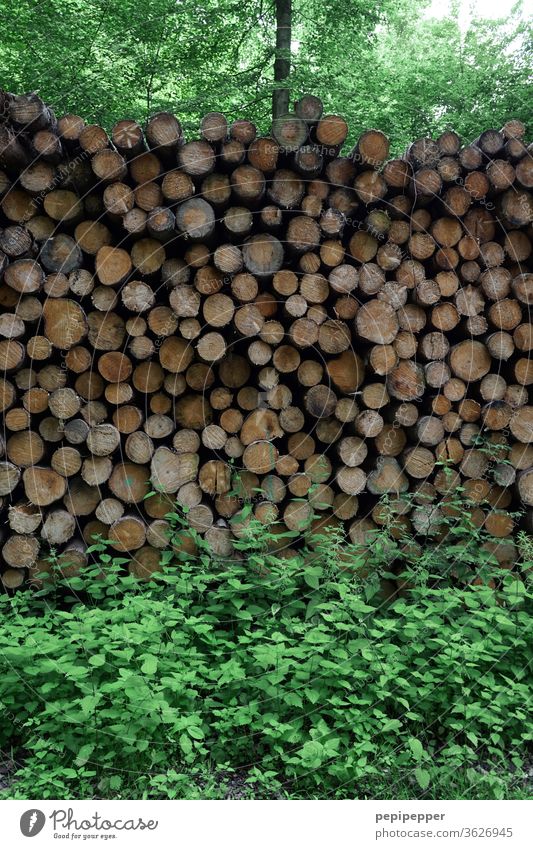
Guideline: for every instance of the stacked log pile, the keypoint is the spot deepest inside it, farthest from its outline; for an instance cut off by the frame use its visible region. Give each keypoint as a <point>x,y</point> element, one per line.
<point>258,326</point>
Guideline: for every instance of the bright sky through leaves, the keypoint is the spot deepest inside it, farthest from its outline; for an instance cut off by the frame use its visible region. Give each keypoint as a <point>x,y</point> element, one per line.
<point>468,9</point>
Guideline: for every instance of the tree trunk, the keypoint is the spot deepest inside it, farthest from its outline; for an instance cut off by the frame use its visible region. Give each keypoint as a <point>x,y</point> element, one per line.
<point>282,63</point>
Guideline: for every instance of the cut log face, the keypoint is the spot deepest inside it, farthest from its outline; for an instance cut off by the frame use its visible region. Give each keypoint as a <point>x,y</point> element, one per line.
<point>43,486</point>
<point>332,327</point>
<point>263,255</point>
<point>290,131</point>
<point>376,322</point>
<point>470,360</point>
<point>65,323</point>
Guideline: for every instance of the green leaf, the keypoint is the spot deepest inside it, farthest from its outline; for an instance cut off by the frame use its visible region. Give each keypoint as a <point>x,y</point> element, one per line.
<point>149,666</point>
<point>311,577</point>
<point>185,744</point>
<point>423,777</point>
<point>391,725</point>
<point>88,704</point>
<point>195,732</point>
<point>416,748</point>
<point>84,754</point>
<point>97,660</point>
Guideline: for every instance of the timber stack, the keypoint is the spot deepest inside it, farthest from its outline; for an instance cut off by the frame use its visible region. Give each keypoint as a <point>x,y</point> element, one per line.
<point>257,327</point>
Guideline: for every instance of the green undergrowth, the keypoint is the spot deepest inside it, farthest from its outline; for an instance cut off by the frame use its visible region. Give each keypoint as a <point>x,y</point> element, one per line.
<point>277,675</point>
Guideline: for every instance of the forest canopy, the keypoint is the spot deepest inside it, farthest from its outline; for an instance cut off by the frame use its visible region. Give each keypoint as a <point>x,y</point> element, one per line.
<point>389,63</point>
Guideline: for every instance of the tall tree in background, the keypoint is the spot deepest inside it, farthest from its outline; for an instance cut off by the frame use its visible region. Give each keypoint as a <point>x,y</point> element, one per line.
<point>282,62</point>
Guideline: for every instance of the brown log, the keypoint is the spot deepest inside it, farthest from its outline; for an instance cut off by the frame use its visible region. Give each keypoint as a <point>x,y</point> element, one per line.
<point>406,381</point>
<point>43,486</point>
<point>248,184</point>
<point>370,187</point>
<point>20,550</point>
<point>147,196</point>
<point>290,131</point>
<point>351,480</point>
<point>423,153</point>
<point>320,401</point>
<point>309,108</point>
<point>331,131</point>
<point>163,132</point>
<point>127,534</point>
<point>371,149</point>
<point>195,219</point>
<point>387,478</point>
<point>196,158</point>
<point>24,518</point>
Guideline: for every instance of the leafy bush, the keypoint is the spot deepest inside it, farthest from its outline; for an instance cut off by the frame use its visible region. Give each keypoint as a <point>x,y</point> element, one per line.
<point>294,675</point>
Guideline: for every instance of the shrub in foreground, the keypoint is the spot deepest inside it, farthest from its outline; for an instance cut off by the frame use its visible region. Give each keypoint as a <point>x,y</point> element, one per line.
<point>290,675</point>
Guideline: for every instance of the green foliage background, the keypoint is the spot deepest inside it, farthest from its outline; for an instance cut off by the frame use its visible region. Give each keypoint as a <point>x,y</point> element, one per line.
<point>384,63</point>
